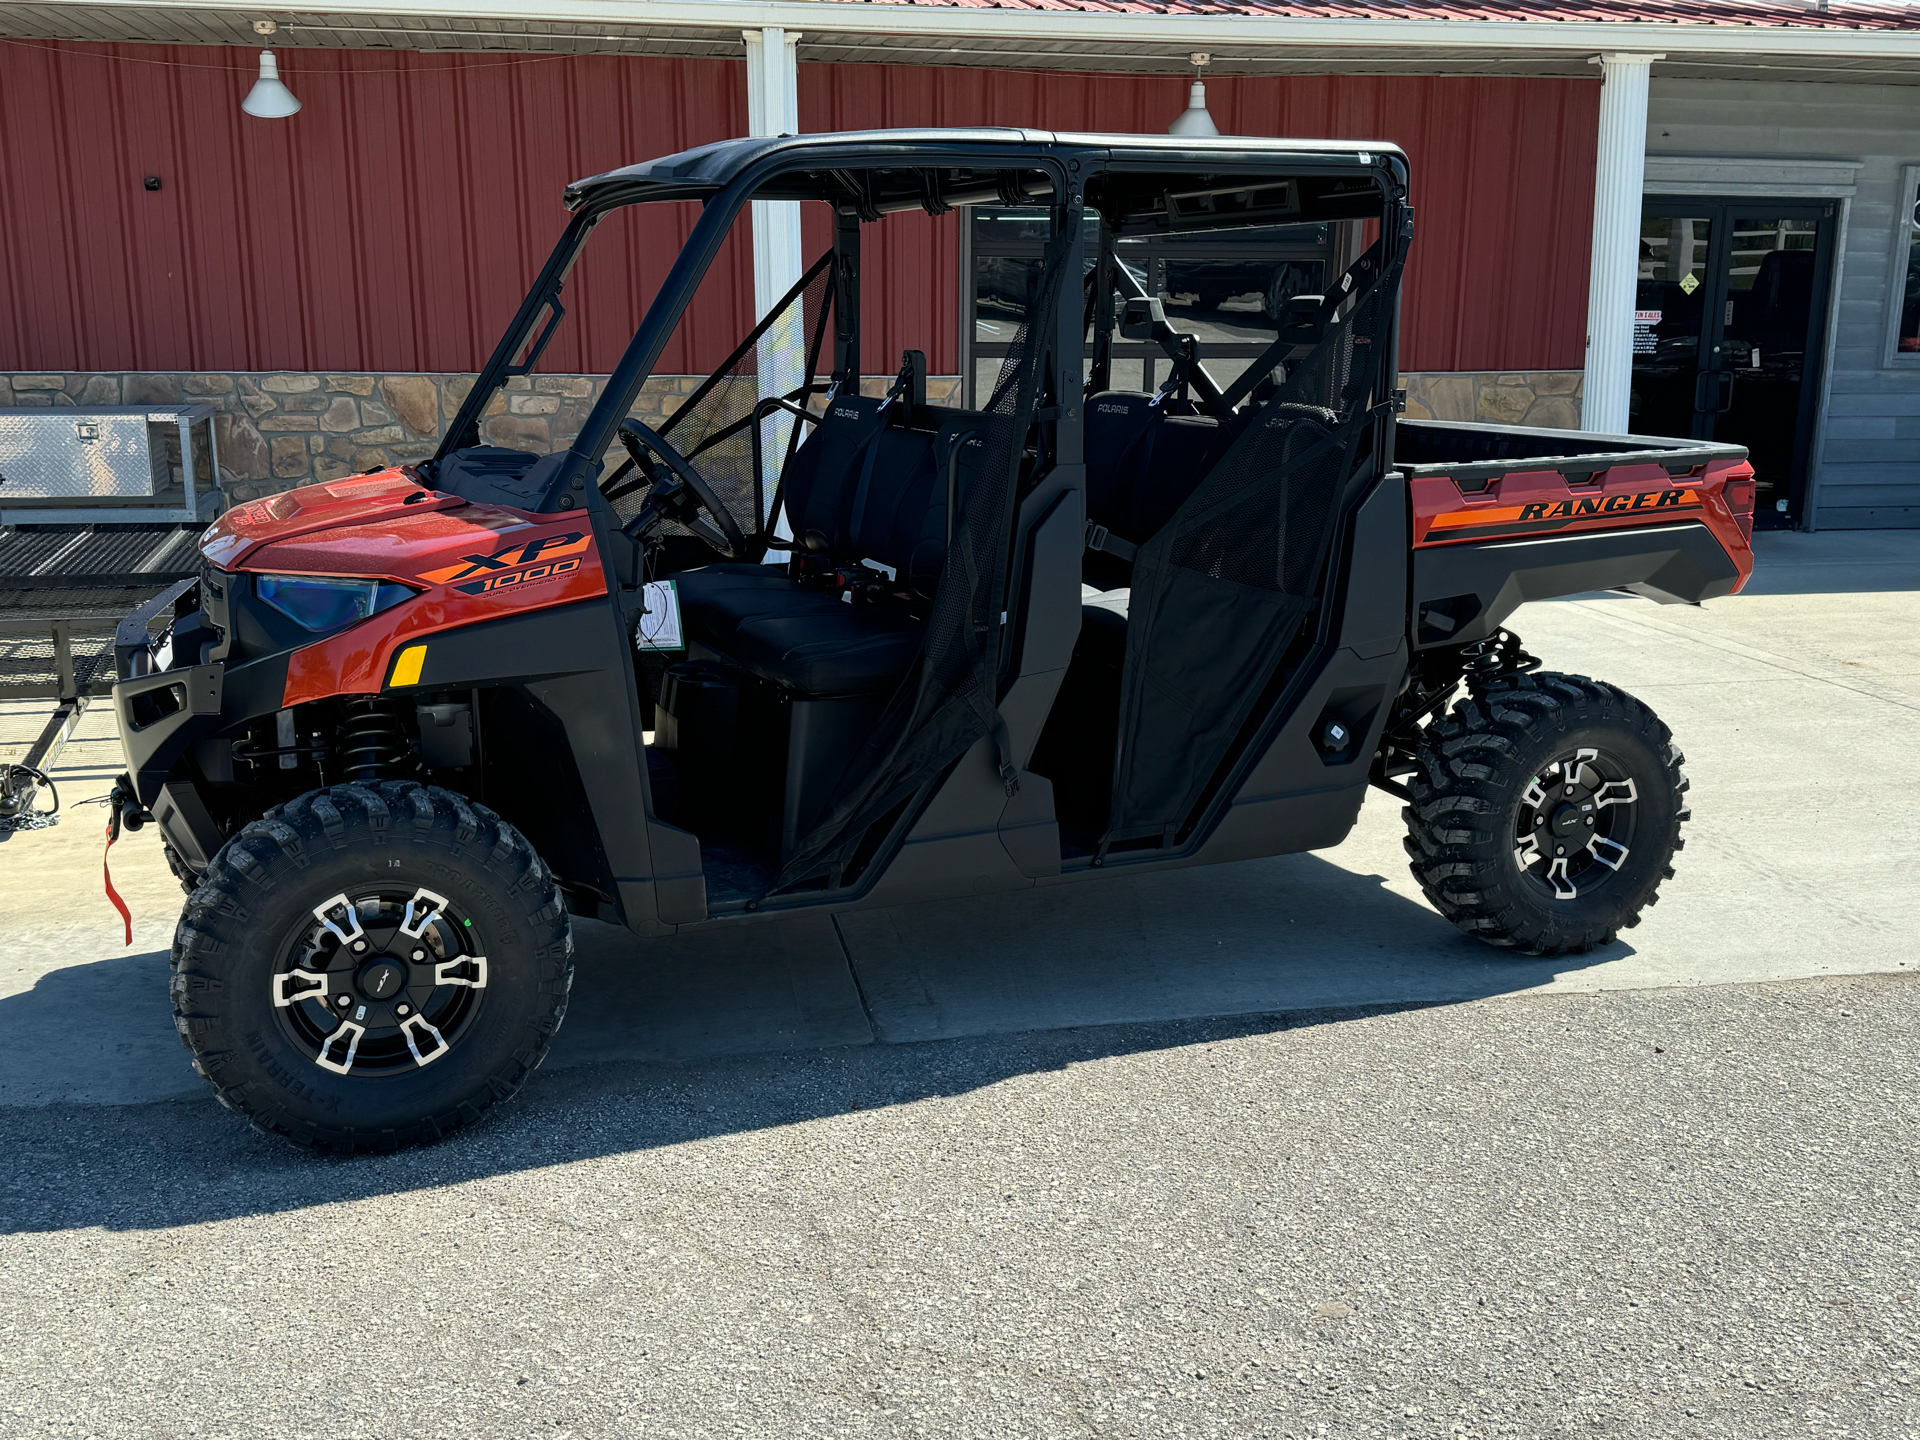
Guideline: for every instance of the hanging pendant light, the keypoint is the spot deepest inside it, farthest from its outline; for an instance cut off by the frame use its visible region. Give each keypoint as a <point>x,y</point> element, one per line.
<point>1195,120</point>
<point>269,99</point>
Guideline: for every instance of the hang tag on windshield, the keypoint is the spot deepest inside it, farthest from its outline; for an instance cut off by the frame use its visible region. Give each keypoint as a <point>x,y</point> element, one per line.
<point>659,625</point>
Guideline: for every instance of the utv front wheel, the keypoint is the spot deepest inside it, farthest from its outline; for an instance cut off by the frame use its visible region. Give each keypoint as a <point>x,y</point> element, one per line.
<point>369,966</point>
<point>182,872</point>
<point>1546,811</point>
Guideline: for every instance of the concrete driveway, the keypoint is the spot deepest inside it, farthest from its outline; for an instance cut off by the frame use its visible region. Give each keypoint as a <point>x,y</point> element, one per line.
<point>1796,704</point>
<point>1264,1148</point>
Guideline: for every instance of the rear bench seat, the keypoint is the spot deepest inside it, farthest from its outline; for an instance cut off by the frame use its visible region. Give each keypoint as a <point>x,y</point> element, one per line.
<point>1142,463</point>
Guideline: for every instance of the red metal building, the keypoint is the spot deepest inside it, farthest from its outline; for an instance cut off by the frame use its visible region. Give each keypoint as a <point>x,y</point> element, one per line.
<point>160,246</point>
<point>392,224</point>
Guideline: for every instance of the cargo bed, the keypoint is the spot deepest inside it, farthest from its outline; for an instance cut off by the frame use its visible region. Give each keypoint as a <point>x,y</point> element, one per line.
<point>1474,454</point>
<point>1505,514</point>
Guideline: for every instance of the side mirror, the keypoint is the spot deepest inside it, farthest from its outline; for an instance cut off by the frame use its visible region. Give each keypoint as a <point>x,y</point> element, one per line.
<point>1305,324</point>
<point>1140,317</point>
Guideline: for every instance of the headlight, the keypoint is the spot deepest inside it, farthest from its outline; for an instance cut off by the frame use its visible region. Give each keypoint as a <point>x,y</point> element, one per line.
<point>320,603</point>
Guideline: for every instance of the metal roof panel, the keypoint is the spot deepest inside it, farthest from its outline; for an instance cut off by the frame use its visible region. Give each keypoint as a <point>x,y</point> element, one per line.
<point>1788,14</point>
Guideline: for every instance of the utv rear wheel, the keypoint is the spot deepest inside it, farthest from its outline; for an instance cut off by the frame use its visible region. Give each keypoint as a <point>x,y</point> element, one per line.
<point>371,965</point>
<point>1546,811</point>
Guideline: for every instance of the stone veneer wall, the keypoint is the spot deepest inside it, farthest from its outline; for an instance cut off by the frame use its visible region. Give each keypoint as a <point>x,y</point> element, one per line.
<point>1550,399</point>
<point>282,429</point>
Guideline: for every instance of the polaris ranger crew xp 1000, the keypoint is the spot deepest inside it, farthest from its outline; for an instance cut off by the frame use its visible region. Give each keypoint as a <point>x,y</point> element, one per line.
<point>800,644</point>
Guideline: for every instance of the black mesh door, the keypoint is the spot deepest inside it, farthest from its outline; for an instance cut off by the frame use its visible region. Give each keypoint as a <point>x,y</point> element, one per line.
<point>1222,589</point>
<point>948,702</point>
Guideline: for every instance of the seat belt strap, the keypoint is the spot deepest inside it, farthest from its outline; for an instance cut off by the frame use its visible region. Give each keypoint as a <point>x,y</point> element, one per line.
<point>859,517</point>
<point>1363,272</point>
<point>1100,538</point>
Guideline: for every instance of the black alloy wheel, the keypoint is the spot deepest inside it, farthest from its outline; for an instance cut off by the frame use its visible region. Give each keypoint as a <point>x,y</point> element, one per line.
<point>381,982</point>
<point>369,966</point>
<point>1545,812</point>
<point>1576,823</point>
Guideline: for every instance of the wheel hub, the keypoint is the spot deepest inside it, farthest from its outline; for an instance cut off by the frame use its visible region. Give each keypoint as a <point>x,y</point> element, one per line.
<point>380,983</point>
<point>1575,822</point>
<point>1570,819</point>
<point>379,979</point>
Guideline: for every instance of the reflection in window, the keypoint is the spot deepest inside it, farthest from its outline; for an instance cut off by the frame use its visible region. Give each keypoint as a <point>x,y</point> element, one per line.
<point>1770,300</point>
<point>1906,339</point>
<point>1229,288</point>
<point>1756,240</point>
<point>1671,289</point>
<point>1000,295</point>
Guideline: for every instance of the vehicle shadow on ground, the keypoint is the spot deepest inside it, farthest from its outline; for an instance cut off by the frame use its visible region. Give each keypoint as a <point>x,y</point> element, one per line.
<point>971,993</point>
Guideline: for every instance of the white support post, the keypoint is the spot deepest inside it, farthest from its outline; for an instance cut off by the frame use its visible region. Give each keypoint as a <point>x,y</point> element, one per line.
<point>773,109</point>
<point>1620,165</point>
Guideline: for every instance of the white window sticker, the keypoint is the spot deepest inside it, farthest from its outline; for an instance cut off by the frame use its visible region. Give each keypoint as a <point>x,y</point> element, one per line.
<point>1644,323</point>
<point>659,625</point>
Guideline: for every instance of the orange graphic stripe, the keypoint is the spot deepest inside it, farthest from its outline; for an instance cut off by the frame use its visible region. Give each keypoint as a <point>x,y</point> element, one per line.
<point>1588,507</point>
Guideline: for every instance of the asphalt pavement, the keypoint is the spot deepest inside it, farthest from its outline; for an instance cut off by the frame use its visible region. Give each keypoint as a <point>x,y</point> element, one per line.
<point>1257,1149</point>
<point>1684,1212</point>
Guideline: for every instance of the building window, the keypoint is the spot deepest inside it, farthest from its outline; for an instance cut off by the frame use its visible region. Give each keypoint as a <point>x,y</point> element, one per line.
<point>1904,276</point>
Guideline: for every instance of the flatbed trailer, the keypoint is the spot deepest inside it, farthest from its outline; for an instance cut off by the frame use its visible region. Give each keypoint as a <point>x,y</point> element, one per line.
<point>64,589</point>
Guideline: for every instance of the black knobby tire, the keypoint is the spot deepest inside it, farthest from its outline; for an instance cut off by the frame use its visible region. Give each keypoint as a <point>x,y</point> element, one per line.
<point>188,877</point>
<point>1491,769</point>
<point>267,893</point>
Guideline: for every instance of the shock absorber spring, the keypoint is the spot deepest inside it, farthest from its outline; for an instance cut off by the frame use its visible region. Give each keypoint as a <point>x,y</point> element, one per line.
<point>1501,654</point>
<point>373,743</point>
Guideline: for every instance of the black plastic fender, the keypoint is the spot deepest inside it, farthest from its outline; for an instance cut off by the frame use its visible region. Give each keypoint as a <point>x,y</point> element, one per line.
<point>1463,593</point>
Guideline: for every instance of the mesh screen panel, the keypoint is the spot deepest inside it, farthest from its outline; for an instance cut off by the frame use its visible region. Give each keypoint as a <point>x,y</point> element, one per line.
<point>72,602</point>
<point>28,665</point>
<point>1222,590</point>
<point>1260,517</point>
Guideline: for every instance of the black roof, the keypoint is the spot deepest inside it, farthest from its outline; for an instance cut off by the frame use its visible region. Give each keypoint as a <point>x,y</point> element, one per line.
<point>710,167</point>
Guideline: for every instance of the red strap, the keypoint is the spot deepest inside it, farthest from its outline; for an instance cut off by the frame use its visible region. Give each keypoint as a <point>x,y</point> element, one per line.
<point>106,871</point>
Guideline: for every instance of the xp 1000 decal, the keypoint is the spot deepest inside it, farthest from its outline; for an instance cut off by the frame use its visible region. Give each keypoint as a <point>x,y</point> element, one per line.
<point>546,557</point>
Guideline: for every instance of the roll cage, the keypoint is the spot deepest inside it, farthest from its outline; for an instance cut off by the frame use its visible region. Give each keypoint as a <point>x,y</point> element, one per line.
<point>865,175</point>
<point>1014,614</point>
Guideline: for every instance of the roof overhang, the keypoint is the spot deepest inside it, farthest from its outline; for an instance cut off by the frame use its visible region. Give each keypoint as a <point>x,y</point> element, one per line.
<point>1052,39</point>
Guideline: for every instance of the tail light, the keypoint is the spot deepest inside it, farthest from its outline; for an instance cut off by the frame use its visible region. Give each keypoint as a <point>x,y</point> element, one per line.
<point>1738,492</point>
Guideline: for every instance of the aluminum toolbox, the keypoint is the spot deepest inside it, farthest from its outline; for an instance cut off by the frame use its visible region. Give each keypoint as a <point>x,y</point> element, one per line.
<point>91,456</point>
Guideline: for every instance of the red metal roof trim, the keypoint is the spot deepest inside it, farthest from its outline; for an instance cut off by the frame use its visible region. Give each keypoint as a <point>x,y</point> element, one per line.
<point>1768,14</point>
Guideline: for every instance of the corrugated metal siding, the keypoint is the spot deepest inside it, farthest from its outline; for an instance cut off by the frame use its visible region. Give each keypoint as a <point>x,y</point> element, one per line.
<point>392,224</point>
<point>1503,187</point>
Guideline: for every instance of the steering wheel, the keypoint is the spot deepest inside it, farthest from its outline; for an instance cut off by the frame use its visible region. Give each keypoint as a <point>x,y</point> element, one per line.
<point>680,496</point>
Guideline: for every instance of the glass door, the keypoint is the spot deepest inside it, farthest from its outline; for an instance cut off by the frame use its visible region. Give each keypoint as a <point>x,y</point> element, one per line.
<point>1771,351</point>
<point>1670,314</point>
<point>1730,323</point>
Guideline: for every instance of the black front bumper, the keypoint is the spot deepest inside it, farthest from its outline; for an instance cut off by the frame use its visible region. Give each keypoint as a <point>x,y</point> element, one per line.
<point>164,715</point>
